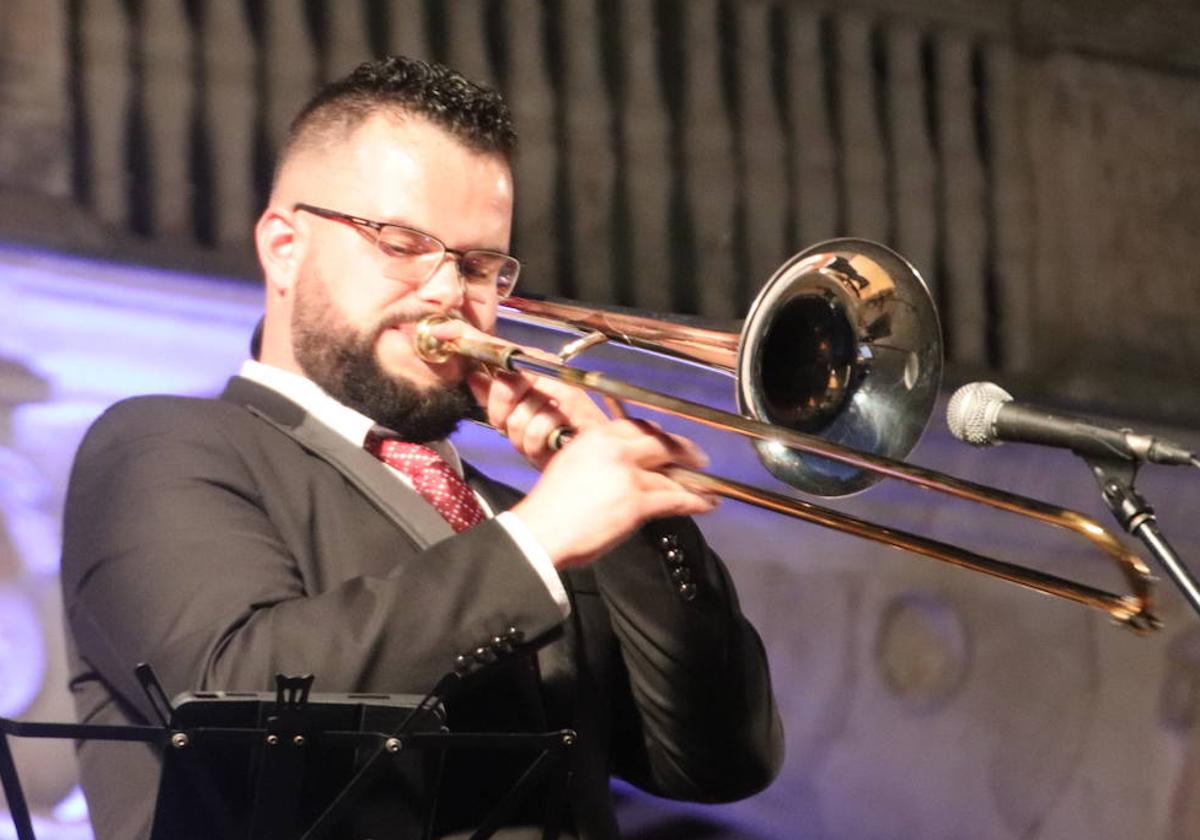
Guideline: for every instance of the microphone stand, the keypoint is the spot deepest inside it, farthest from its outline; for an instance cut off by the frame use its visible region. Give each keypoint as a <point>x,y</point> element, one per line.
<point>1116,477</point>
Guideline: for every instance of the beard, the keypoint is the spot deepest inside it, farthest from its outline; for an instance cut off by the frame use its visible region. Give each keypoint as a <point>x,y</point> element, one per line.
<point>343,362</point>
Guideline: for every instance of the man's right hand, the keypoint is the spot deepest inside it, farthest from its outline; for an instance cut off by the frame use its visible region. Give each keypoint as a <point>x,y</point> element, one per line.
<point>605,484</point>
<point>600,487</point>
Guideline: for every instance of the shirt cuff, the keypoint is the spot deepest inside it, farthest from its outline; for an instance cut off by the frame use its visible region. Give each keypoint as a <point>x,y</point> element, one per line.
<point>537,557</point>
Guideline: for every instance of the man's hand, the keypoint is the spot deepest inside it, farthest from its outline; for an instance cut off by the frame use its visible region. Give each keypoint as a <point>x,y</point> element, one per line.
<point>605,483</point>
<point>525,408</point>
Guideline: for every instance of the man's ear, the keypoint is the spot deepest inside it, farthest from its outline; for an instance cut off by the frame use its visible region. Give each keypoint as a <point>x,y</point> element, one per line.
<point>279,245</point>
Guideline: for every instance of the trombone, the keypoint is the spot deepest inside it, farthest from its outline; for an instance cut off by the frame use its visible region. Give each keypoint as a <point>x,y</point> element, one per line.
<point>838,365</point>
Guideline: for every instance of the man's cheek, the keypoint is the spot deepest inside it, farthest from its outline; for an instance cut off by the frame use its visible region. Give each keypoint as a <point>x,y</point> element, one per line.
<point>395,347</point>
<point>480,316</point>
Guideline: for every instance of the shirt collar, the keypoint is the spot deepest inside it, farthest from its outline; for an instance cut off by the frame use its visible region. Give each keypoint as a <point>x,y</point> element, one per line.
<point>342,419</point>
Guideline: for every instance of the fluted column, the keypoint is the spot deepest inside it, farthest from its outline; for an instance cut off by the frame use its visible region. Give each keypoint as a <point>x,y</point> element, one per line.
<point>647,156</point>
<point>229,107</point>
<point>863,164</point>
<point>590,162</point>
<point>814,184</point>
<point>467,46</point>
<point>962,185</point>
<point>532,101</point>
<point>763,151</point>
<point>708,151</point>
<point>290,63</point>
<point>912,172</point>
<point>34,146</point>
<point>105,42</point>
<point>406,29</point>
<point>1012,208</point>
<point>168,113</point>
<point>347,38</point>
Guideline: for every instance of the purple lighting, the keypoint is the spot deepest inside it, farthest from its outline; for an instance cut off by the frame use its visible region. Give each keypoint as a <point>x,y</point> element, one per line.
<point>79,335</point>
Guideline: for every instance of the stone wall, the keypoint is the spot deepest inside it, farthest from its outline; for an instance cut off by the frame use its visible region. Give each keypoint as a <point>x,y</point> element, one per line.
<point>1035,160</point>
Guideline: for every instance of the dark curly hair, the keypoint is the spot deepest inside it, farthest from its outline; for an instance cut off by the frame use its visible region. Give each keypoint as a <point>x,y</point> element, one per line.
<point>473,113</point>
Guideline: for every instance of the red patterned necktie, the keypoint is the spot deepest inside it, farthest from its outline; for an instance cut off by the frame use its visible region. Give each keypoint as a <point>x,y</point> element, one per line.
<point>432,477</point>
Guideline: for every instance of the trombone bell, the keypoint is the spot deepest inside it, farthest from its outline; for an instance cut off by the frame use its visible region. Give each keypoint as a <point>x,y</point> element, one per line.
<point>842,342</point>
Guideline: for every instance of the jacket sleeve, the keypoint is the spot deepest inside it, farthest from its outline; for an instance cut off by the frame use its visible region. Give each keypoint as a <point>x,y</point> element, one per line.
<point>699,720</point>
<point>179,551</point>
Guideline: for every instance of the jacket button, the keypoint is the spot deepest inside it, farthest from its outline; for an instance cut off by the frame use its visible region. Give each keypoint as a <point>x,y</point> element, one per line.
<point>687,591</point>
<point>483,654</point>
<point>674,555</point>
<point>514,636</point>
<point>461,664</point>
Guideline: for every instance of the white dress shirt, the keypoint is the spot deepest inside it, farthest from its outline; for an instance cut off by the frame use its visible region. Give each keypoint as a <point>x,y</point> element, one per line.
<point>354,427</point>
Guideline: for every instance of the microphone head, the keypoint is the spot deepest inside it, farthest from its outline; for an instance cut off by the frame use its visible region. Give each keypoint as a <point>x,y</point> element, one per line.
<point>971,414</point>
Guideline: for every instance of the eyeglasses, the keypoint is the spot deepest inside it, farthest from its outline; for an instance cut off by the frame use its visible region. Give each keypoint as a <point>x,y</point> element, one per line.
<point>414,256</point>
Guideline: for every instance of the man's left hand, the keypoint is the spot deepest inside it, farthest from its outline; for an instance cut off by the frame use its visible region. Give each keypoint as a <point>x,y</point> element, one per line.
<point>525,408</point>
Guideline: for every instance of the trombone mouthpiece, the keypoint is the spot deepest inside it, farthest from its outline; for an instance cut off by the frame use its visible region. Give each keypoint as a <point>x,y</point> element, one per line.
<point>435,350</point>
<point>429,347</point>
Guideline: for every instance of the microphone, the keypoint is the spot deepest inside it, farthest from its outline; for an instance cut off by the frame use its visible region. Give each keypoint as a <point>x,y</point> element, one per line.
<point>983,413</point>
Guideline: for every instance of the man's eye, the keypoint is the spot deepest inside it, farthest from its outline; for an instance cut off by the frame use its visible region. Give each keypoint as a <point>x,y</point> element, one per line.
<point>403,243</point>
<point>475,268</point>
<point>400,249</point>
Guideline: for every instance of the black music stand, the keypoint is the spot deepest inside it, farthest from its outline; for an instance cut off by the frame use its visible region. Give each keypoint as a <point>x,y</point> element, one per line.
<point>295,766</point>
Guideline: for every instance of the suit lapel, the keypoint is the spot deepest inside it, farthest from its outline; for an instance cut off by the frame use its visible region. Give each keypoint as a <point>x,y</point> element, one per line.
<point>410,513</point>
<point>396,500</point>
<point>500,497</point>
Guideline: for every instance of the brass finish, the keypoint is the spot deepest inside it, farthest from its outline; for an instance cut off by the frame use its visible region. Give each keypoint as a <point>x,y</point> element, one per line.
<point>719,349</point>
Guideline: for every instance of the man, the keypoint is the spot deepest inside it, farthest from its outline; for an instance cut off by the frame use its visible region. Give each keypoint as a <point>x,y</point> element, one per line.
<point>224,541</point>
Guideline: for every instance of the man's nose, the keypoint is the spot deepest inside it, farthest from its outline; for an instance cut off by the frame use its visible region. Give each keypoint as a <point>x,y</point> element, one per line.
<point>445,286</point>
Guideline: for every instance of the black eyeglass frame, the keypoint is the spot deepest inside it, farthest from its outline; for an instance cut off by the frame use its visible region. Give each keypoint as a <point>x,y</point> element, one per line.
<point>459,256</point>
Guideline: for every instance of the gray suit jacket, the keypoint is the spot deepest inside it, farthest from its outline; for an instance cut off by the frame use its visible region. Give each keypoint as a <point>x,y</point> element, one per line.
<point>224,541</point>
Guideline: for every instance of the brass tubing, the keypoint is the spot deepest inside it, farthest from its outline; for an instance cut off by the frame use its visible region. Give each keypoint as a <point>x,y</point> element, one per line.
<point>689,342</point>
<point>1133,610</point>
<point>1119,607</point>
